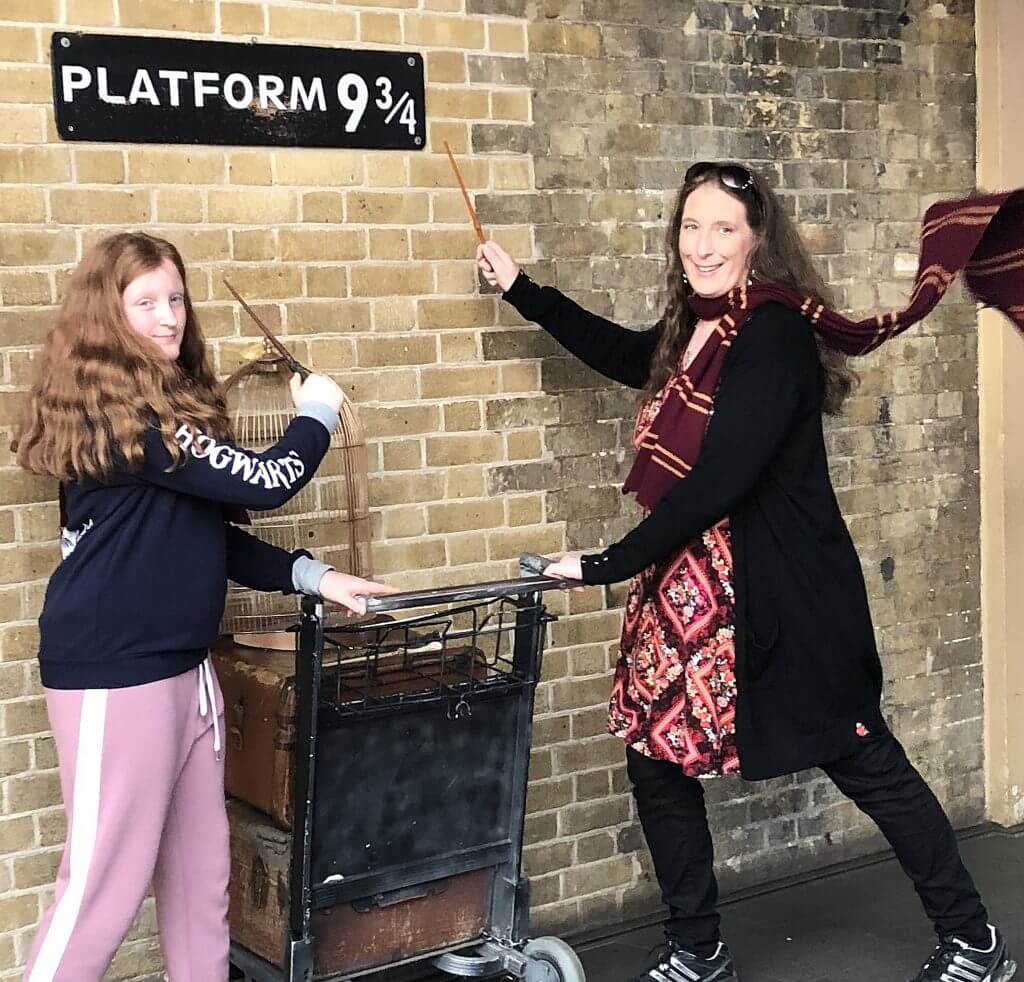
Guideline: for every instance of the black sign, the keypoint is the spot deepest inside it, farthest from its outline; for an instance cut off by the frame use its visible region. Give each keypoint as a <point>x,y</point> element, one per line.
<point>174,90</point>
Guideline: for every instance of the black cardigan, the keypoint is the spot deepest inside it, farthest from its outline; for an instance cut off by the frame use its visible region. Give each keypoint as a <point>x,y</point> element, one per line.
<point>807,667</point>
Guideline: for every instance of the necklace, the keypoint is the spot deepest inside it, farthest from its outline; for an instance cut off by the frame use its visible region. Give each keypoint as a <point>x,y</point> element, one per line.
<point>701,331</point>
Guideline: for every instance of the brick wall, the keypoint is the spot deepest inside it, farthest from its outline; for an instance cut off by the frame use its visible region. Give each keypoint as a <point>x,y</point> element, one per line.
<point>573,121</point>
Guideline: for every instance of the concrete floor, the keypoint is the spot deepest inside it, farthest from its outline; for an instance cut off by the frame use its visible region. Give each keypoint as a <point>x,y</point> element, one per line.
<point>862,925</point>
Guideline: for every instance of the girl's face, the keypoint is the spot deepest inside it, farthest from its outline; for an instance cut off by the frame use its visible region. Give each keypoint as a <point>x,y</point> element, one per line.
<point>715,240</point>
<point>154,304</point>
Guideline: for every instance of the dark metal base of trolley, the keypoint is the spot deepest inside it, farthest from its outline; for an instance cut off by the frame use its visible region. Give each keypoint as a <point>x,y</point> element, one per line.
<point>411,757</point>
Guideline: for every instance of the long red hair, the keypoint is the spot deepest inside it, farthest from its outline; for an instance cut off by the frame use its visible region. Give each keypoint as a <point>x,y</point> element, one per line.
<point>99,385</point>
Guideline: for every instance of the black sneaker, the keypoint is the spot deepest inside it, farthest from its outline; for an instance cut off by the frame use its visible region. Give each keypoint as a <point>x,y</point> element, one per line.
<point>672,963</point>
<point>955,960</point>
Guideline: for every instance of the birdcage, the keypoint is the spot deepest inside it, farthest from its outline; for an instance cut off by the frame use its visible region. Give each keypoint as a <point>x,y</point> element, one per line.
<point>329,516</point>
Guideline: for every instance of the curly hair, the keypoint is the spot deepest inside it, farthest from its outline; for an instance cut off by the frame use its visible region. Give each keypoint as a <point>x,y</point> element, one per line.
<point>778,257</point>
<point>99,385</point>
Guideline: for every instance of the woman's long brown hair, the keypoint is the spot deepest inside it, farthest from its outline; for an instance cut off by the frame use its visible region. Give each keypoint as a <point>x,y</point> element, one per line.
<point>99,385</point>
<point>778,257</point>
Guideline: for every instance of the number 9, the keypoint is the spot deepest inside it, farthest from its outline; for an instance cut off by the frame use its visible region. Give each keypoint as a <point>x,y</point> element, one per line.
<point>353,94</point>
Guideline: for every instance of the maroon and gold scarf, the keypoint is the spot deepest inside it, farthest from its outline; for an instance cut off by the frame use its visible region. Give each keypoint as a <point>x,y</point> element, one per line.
<point>982,236</point>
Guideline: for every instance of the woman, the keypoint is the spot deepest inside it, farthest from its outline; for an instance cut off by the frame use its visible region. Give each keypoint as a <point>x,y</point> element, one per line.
<point>747,642</point>
<point>127,414</point>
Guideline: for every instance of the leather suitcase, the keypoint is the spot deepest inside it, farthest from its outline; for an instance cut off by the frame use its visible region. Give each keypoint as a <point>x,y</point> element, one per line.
<point>354,936</point>
<point>258,686</point>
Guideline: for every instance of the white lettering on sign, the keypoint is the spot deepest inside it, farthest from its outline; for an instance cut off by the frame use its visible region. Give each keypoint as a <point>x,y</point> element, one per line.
<point>74,78</point>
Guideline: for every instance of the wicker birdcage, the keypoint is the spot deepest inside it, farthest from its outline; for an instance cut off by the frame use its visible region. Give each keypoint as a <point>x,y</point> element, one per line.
<point>329,516</point>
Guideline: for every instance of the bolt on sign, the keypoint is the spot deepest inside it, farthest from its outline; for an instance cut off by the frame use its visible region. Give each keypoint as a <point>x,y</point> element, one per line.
<point>175,90</point>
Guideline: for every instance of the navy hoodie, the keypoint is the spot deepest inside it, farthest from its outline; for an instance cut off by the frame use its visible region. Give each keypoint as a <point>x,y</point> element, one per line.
<point>140,591</point>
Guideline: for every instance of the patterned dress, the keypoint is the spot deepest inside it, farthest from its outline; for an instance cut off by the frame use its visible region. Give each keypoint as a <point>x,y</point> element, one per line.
<point>674,696</point>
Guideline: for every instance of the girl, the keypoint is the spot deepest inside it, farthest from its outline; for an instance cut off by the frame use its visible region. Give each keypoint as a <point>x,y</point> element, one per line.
<point>747,642</point>
<point>127,414</point>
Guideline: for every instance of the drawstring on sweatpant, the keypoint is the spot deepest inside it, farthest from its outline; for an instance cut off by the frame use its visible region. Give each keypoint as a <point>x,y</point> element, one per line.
<point>207,696</point>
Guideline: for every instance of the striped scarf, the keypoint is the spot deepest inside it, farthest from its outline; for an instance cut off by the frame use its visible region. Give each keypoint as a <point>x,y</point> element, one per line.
<point>983,237</point>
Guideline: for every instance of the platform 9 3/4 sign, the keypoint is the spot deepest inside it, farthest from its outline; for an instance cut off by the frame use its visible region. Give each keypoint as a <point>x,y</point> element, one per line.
<point>174,90</point>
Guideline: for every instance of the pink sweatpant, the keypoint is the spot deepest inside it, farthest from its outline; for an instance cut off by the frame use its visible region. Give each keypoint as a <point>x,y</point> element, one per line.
<point>144,795</point>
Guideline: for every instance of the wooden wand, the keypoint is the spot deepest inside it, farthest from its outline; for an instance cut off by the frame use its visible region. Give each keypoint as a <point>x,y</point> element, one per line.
<point>288,358</point>
<point>465,196</point>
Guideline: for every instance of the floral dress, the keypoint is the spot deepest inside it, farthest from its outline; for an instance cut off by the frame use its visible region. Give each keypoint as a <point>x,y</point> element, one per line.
<point>674,696</point>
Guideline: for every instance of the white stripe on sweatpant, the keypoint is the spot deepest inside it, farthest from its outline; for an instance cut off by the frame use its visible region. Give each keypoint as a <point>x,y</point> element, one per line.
<point>85,813</point>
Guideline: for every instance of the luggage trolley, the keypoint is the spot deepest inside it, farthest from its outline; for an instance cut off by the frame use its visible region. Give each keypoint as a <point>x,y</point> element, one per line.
<point>411,757</point>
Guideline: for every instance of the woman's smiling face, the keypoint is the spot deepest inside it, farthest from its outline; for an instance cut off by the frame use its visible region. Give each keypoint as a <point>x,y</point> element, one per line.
<point>715,240</point>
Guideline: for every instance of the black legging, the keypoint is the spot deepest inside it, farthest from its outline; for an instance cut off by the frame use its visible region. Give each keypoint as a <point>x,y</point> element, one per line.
<point>879,780</point>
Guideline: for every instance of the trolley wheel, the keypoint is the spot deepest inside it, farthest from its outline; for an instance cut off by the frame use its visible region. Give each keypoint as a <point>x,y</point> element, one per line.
<point>552,960</point>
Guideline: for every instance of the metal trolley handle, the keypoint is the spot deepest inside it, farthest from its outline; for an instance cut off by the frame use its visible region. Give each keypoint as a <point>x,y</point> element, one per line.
<point>473,591</point>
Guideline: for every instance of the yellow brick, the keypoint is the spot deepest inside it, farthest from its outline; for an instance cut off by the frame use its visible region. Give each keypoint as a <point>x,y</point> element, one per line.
<point>35,870</point>
<point>403,455</point>
<point>389,243</point>
<point>252,244</point>
<point>526,510</point>
<point>323,206</point>
<point>216,320</point>
<point>380,208</point>
<point>171,15</point>
<point>327,317</point>
<point>462,313</point>
<point>21,124</point>
<point>510,543</point>
<point>10,608</point>
<point>445,66</point>
<point>316,25</point>
<point>326,281</point>
<point>399,385</point>
<point>457,103</point>
<point>39,523</point>
<point>20,910</point>
<point>520,377</point>
<point>375,281</point>
<point>242,18</point>
<point>18,43</point>
<point>447,5</point>
<point>446,244</point>
<point>27,85</point>
<point>99,166</point>
<point>565,39</point>
<point>52,827</point>
<point>249,168</point>
<point>330,354</point>
<point>462,516</point>
<point>401,523</point>
<point>436,172</point>
<point>19,642</point>
<point>444,32</point>
<point>385,352</point>
<point>93,207</point>
<point>27,794</point>
<point>400,421</point>
<point>37,247</point>
<point>90,13</point>
<point>16,834</point>
<point>460,347</point>
<point>260,282</point>
<point>456,135</point>
<point>25,716</point>
<point>317,167</point>
<point>457,278</point>
<point>447,382</point>
<point>386,170</point>
<point>23,205</point>
<point>447,451</point>
<point>197,244</point>
<point>408,4</point>
<point>38,11</point>
<point>404,555</point>
<point>510,105</point>
<point>324,244</point>
<point>448,208</point>
<point>511,175</point>
<point>507,37</point>
<point>524,445</point>
<point>380,28</point>
<point>252,207</point>
<point>6,530</point>
<point>393,314</point>
<point>179,205</point>
<point>464,482</point>
<point>19,288</point>
<point>178,165</point>
<point>462,416</point>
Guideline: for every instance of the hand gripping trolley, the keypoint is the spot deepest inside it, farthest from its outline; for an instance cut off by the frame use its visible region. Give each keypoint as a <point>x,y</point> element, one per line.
<point>412,742</point>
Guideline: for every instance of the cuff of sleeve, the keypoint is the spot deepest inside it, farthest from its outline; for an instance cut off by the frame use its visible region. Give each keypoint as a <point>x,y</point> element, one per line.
<point>321,412</point>
<point>595,567</point>
<point>307,574</point>
<point>519,290</point>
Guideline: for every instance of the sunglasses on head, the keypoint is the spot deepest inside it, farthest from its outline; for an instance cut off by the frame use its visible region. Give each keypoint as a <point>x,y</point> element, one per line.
<point>732,176</point>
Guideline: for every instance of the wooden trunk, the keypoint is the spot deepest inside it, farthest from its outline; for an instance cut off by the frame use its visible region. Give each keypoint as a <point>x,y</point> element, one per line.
<point>354,936</point>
